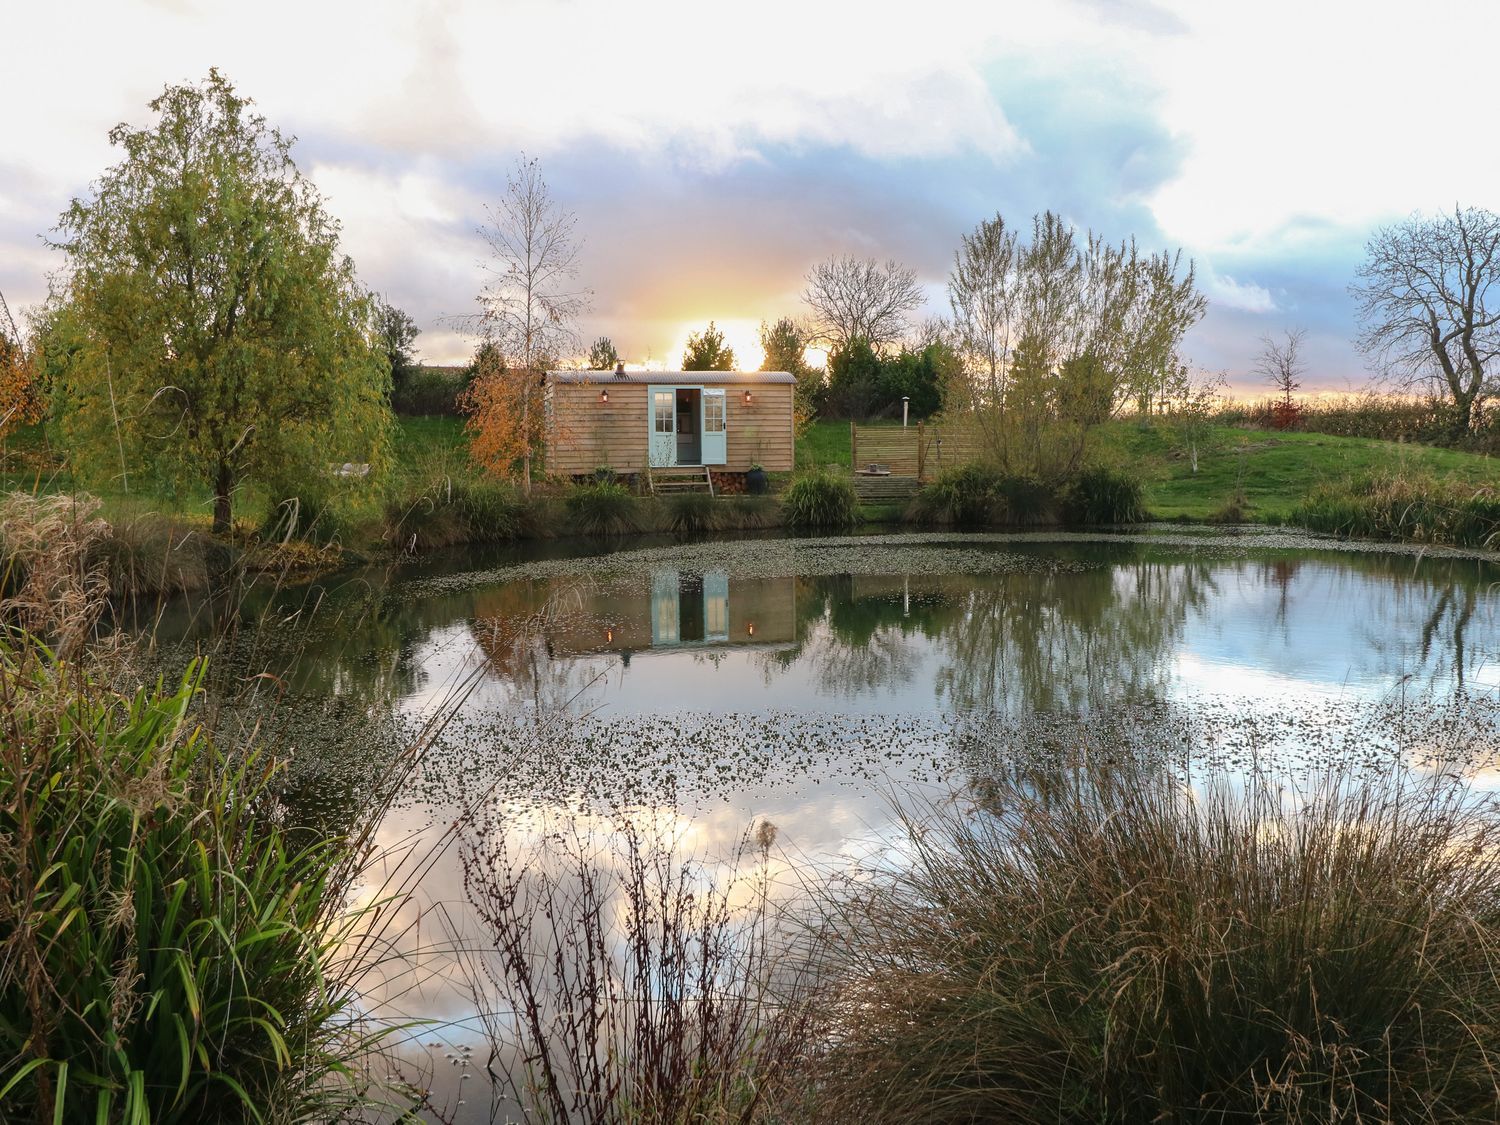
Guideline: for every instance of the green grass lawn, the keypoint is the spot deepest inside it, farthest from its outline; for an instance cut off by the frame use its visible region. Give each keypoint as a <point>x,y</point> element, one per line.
<point>1274,470</point>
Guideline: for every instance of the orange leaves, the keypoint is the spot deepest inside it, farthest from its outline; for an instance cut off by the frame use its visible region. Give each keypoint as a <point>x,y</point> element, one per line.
<point>506,419</point>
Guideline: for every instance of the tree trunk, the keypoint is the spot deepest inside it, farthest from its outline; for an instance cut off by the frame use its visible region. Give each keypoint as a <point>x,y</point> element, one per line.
<point>223,486</point>
<point>1463,415</point>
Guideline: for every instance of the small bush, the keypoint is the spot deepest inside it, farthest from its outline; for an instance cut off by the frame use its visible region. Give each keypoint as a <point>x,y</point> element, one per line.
<point>1100,944</point>
<point>1103,495</point>
<point>1416,508</point>
<point>820,500</point>
<point>602,509</point>
<point>692,512</point>
<point>968,496</point>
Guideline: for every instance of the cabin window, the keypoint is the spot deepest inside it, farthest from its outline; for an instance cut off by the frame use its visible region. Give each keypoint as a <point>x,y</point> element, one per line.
<point>713,414</point>
<point>663,403</point>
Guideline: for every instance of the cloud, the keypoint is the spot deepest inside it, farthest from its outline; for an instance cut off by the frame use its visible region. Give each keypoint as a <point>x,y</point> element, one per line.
<point>1244,296</point>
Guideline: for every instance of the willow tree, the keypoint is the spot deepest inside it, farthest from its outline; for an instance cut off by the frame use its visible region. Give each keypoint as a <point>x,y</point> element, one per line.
<point>222,336</point>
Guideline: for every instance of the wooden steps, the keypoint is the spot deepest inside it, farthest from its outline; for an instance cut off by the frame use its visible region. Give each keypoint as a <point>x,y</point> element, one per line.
<point>680,478</point>
<point>885,489</point>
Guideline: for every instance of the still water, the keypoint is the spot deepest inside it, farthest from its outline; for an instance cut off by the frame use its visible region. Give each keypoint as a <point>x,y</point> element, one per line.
<point>816,684</point>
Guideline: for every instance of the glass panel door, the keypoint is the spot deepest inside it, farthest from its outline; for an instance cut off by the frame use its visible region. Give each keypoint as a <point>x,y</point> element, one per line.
<point>715,427</point>
<point>661,418</point>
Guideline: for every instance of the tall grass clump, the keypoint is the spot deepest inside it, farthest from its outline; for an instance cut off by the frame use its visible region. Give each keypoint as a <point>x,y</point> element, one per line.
<point>1104,495</point>
<point>448,512</point>
<point>967,496</point>
<point>690,513</point>
<point>820,500</point>
<point>1105,945</point>
<point>619,981</point>
<point>163,946</point>
<point>1404,506</point>
<point>602,509</point>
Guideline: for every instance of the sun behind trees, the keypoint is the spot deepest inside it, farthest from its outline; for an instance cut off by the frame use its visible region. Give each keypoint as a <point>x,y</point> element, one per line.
<point>208,331</point>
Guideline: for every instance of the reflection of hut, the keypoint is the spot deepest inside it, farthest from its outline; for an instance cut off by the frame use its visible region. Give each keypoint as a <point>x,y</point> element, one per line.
<point>682,608</point>
<point>723,421</point>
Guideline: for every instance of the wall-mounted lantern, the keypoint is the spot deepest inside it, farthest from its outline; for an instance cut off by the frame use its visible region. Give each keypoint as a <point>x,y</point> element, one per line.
<point>750,628</point>
<point>604,396</point>
<point>748,398</point>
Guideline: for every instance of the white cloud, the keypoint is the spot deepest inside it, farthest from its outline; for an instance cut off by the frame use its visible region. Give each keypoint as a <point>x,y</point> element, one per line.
<point>1243,295</point>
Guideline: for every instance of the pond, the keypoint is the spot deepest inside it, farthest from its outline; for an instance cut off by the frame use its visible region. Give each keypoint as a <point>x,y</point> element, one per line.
<point>813,684</point>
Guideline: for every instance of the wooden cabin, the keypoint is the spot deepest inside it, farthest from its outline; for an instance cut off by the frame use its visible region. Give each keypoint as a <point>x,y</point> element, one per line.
<point>629,421</point>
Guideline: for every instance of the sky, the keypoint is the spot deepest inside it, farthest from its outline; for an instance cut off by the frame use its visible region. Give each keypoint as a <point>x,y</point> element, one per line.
<point>713,152</point>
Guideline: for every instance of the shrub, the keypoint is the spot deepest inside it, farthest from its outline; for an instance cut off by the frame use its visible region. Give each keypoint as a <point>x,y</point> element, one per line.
<point>981,495</point>
<point>163,948</point>
<point>1418,508</point>
<point>691,512</point>
<point>1102,945</point>
<point>968,496</point>
<point>820,500</point>
<point>602,509</point>
<point>1103,495</point>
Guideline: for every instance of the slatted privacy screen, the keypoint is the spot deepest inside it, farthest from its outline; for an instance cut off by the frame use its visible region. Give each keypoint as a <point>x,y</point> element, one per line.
<point>920,451</point>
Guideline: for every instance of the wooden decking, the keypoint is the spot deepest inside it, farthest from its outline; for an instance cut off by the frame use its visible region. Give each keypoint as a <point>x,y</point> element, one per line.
<point>885,489</point>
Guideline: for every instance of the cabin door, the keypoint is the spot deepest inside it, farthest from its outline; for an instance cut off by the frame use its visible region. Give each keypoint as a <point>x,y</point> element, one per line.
<point>715,427</point>
<point>661,420</point>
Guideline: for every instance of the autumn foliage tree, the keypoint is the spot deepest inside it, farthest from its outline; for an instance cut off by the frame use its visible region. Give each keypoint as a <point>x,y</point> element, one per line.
<point>21,398</point>
<point>529,309</point>
<point>216,334</point>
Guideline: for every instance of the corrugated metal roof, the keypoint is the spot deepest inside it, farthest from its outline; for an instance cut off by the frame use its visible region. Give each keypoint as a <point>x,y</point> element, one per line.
<point>692,378</point>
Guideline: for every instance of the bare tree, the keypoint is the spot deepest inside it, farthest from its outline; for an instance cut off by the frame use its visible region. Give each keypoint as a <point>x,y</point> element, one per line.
<point>530,305</point>
<point>861,299</point>
<point>1280,361</point>
<point>982,295</point>
<point>1427,307</point>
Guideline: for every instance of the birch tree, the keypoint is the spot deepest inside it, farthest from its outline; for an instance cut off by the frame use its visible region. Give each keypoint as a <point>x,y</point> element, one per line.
<point>529,311</point>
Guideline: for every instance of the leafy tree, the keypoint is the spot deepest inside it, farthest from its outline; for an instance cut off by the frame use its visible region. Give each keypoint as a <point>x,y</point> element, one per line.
<point>21,397</point>
<point>1429,303</point>
<point>530,308</point>
<point>784,343</point>
<point>1057,333</point>
<point>918,374</point>
<point>707,351</point>
<point>217,333</point>
<point>602,355</point>
<point>396,332</point>
<point>854,380</point>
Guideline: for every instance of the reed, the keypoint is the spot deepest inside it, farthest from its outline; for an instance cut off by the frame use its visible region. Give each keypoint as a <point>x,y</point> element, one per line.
<point>1417,508</point>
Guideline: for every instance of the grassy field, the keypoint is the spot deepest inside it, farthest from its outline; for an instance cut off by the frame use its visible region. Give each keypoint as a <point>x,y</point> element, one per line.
<point>1273,471</point>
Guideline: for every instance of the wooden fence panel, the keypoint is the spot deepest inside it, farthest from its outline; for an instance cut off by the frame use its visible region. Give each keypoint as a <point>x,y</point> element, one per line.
<point>920,451</point>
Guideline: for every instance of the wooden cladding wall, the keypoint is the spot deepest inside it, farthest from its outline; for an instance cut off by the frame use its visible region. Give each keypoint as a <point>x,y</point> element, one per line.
<point>585,434</point>
<point>921,451</point>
